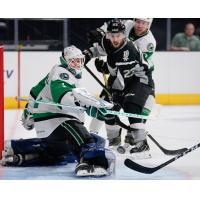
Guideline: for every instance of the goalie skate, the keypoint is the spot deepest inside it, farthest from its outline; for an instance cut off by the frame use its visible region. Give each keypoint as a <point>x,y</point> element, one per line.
<point>84,170</point>
<point>11,160</point>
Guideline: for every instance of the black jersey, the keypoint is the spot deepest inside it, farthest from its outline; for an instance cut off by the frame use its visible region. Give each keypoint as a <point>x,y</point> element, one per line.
<point>126,65</point>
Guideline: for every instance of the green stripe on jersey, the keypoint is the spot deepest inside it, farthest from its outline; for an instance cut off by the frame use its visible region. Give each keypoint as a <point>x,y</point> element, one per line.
<point>39,87</point>
<point>59,88</point>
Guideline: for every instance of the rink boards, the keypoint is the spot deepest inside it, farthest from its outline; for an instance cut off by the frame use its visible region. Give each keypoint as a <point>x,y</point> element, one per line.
<point>176,76</point>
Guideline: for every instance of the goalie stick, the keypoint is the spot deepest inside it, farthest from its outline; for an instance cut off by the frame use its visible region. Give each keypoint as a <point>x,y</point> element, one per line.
<point>82,108</point>
<point>165,151</point>
<point>50,103</point>
<point>149,170</point>
<point>100,83</point>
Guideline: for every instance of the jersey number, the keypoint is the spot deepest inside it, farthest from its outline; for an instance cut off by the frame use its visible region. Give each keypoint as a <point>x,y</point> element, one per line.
<point>128,73</point>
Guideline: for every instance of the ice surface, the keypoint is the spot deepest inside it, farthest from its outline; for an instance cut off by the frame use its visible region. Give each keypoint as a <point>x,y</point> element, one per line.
<point>175,127</point>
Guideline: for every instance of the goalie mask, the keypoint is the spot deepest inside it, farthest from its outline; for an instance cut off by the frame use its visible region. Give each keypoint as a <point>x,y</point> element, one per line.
<point>73,59</point>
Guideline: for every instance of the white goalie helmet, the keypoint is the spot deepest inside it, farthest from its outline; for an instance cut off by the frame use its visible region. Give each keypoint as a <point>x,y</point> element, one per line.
<point>149,20</point>
<point>74,59</point>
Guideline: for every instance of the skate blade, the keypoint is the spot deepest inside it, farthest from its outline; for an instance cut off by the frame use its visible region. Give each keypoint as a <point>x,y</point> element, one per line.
<point>141,155</point>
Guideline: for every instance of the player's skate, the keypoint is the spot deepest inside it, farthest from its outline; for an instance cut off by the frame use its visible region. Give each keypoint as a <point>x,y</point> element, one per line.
<point>82,169</point>
<point>140,150</point>
<point>18,159</point>
<point>8,154</point>
<point>114,142</point>
<point>7,149</point>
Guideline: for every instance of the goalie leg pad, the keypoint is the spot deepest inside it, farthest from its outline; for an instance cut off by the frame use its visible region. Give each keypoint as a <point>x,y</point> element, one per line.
<point>34,152</point>
<point>98,161</point>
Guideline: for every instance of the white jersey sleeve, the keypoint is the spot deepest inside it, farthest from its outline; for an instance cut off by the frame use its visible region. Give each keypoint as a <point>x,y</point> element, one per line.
<point>146,43</point>
<point>86,99</point>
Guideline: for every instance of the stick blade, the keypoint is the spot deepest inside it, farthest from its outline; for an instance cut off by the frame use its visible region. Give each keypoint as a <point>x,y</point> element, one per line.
<point>174,152</point>
<point>167,151</point>
<point>137,167</point>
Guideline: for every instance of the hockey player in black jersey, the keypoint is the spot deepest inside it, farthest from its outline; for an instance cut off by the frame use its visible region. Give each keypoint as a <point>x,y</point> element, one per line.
<point>130,83</point>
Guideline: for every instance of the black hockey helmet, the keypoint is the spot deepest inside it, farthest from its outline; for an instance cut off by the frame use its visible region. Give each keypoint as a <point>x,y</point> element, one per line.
<point>115,26</point>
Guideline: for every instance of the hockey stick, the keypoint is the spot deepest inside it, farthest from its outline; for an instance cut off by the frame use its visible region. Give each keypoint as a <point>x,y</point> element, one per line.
<point>50,103</point>
<point>100,83</point>
<point>105,88</point>
<point>165,151</point>
<point>81,108</point>
<point>105,80</point>
<point>149,170</point>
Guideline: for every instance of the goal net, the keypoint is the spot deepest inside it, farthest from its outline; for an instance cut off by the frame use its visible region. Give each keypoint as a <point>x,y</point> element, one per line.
<point>1,101</point>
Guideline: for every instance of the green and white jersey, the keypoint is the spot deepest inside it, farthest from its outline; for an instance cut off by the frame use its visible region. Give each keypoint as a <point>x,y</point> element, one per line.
<point>56,87</point>
<point>146,43</point>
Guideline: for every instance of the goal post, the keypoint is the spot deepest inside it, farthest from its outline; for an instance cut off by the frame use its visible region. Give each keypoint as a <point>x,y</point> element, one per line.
<point>1,100</point>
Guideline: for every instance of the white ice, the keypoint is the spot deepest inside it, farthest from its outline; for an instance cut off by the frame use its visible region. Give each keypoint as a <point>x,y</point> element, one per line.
<point>174,127</point>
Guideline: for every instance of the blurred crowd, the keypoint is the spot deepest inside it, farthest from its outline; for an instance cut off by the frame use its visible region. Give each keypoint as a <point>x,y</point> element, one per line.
<point>52,34</point>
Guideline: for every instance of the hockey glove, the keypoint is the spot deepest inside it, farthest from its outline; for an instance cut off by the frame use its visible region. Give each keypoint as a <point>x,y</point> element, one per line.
<point>27,119</point>
<point>88,55</point>
<point>97,113</point>
<point>95,36</point>
<point>101,66</point>
<point>117,97</point>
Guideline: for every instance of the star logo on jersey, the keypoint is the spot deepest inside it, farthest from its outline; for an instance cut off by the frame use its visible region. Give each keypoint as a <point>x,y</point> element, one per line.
<point>126,55</point>
<point>150,47</point>
<point>64,76</point>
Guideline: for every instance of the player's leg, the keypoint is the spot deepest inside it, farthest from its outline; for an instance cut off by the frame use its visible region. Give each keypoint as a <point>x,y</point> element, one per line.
<point>88,148</point>
<point>136,137</point>
<point>22,152</point>
<point>37,151</point>
<point>113,129</point>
